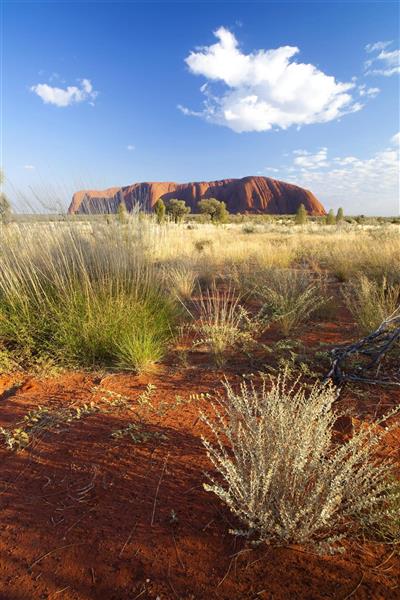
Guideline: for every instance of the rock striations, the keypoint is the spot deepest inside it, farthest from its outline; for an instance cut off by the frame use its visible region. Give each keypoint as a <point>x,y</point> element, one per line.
<point>246,195</point>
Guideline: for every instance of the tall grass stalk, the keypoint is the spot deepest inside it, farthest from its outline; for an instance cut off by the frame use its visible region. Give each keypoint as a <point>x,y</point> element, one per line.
<point>223,323</point>
<point>371,302</point>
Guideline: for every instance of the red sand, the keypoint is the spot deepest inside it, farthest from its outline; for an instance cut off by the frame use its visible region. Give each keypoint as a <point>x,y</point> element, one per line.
<point>82,518</point>
<point>85,516</point>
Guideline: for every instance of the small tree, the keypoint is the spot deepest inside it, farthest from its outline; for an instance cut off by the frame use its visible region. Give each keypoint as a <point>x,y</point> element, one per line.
<point>301,215</point>
<point>5,206</point>
<point>5,209</point>
<point>215,209</point>
<point>339,215</point>
<point>330,218</point>
<point>177,209</point>
<point>122,213</point>
<point>159,209</point>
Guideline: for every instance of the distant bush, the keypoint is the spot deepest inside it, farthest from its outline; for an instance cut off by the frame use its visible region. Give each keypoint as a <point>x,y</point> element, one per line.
<point>330,218</point>
<point>301,215</point>
<point>176,209</point>
<point>159,209</point>
<point>280,471</point>
<point>214,208</point>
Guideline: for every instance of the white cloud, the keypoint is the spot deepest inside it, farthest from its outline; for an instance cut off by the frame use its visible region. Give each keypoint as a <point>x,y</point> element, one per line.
<point>265,89</point>
<point>29,167</point>
<point>361,186</point>
<point>396,139</point>
<point>130,147</point>
<point>377,46</point>
<point>371,92</point>
<point>65,97</point>
<point>307,160</point>
<point>383,62</point>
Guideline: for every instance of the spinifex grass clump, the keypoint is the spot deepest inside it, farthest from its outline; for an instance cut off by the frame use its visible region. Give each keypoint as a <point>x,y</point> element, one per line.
<point>223,323</point>
<point>289,297</point>
<point>84,295</point>
<point>371,302</point>
<point>281,473</point>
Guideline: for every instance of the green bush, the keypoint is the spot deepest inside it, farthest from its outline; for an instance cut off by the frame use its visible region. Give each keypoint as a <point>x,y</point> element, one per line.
<point>84,301</point>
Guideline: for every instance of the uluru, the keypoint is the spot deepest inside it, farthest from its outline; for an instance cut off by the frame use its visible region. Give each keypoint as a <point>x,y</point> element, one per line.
<point>251,194</point>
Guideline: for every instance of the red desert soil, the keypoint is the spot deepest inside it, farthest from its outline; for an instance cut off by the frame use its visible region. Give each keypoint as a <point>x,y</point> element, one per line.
<point>88,517</point>
<point>249,194</point>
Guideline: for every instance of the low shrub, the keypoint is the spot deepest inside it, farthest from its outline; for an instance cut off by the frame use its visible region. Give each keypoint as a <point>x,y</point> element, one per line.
<point>289,297</point>
<point>280,471</point>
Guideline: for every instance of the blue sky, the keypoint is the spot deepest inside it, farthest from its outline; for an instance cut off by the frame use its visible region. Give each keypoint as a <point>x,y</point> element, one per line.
<point>97,94</point>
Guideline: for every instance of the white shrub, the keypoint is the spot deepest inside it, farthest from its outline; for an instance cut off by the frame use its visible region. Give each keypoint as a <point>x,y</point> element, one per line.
<point>280,471</point>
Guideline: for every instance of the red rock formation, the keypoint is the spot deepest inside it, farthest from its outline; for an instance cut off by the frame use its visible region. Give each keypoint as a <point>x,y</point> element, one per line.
<point>246,195</point>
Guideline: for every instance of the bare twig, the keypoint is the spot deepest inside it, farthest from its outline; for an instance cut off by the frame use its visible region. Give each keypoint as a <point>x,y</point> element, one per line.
<point>373,348</point>
<point>158,489</point>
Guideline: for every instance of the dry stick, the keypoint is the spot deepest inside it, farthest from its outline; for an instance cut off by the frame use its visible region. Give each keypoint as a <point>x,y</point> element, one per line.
<point>78,521</point>
<point>356,588</point>
<point>157,490</point>
<point>177,553</point>
<point>63,590</point>
<point>128,539</point>
<point>51,552</point>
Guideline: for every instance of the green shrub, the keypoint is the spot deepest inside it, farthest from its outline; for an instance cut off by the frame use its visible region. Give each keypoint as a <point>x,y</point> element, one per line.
<point>215,209</point>
<point>86,301</point>
<point>301,215</point>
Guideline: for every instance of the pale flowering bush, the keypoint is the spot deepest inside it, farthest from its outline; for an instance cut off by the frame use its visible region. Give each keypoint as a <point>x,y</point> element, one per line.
<point>280,471</point>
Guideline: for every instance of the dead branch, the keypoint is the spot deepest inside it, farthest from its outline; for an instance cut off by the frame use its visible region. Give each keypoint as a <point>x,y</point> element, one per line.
<point>370,351</point>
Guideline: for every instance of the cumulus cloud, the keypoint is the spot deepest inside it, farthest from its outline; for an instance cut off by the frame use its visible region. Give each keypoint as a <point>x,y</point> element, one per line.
<point>309,160</point>
<point>266,88</point>
<point>66,96</point>
<point>29,167</point>
<point>396,139</point>
<point>370,92</point>
<point>361,186</point>
<point>382,62</point>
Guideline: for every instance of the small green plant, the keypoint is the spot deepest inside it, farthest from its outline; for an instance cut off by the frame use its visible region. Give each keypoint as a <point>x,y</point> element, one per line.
<point>41,420</point>
<point>138,434</point>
